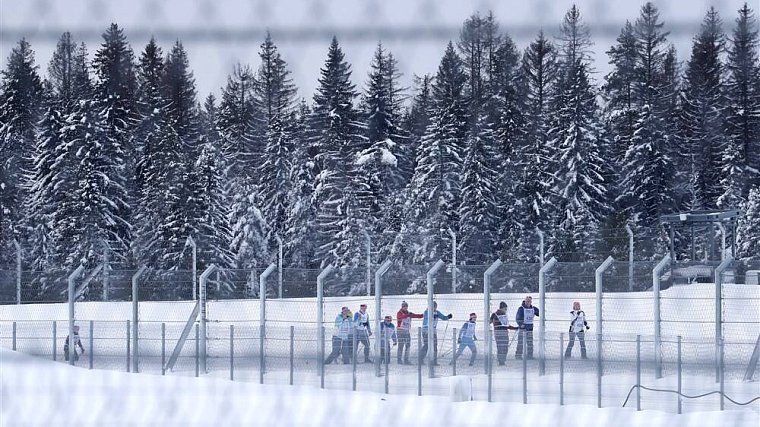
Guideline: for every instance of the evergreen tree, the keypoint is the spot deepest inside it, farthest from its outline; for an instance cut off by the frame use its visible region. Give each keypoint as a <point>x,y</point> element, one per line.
<point>115,95</point>
<point>748,232</point>
<point>434,193</point>
<point>648,165</point>
<point>178,88</point>
<point>703,114</point>
<point>580,194</point>
<point>273,97</point>
<point>21,94</point>
<point>335,140</point>
<point>416,121</point>
<point>236,123</point>
<point>742,155</point>
<point>539,71</point>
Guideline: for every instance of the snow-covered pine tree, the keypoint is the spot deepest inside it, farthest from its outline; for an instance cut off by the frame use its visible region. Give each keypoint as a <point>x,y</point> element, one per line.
<point>702,107</point>
<point>273,97</point>
<point>648,167</point>
<point>579,190</point>
<point>478,211</point>
<point>299,247</point>
<point>236,123</point>
<point>434,191</point>
<point>416,120</point>
<point>178,88</point>
<point>742,156</point>
<point>115,101</point>
<point>335,139</point>
<point>211,229</point>
<point>748,232</point>
<point>379,163</point>
<point>21,94</point>
<point>539,72</point>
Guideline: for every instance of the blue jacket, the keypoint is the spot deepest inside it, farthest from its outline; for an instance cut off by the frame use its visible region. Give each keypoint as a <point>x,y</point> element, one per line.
<point>344,327</point>
<point>388,333</point>
<point>438,315</point>
<point>525,316</point>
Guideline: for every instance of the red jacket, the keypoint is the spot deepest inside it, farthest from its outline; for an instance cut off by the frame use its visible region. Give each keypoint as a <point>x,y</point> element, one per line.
<point>404,319</point>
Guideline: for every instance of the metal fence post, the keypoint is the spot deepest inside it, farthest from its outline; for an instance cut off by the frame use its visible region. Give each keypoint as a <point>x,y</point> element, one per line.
<point>202,292</point>
<point>638,372</point>
<point>431,317</point>
<point>55,332</point>
<point>524,366</point>
<point>630,257</point>
<point>719,306</point>
<point>91,350</point>
<point>656,273</point>
<point>135,319</point>
<point>320,321</point>
<point>72,298</point>
<point>542,309</point>
<point>722,375</point>
<point>354,347</point>
<point>197,351</point>
<point>599,370</point>
<point>190,241</point>
<point>14,336</point>
<point>18,271</point>
<point>261,354</point>
<point>163,348</point>
<point>454,350</point>
<point>128,366</point>
<point>232,352</point>
<point>599,282</point>
<point>263,315</point>
<point>279,266</point>
<point>561,369</point>
<point>679,375</point>
<point>292,334</point>
<point>486,319</point>
<point>419,365</point>
<point>379,310</point>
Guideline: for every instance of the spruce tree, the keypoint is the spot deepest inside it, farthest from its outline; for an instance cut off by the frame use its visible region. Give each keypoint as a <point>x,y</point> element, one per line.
<point>434,193</point>
<point>748,232</point>
<point>742,156</point>
<point>21,94</point>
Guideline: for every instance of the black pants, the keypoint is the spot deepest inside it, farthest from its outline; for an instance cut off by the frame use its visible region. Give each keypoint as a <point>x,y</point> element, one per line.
<point>404,344</point>
<point>525,335</point>
<point>502,344</point>
<point>582,338</point>
<point>424,348</point>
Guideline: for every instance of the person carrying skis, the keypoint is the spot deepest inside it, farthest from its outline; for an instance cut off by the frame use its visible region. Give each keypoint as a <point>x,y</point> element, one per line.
<point>578,327</point>
<point>341,339</point>
<point>404,322</point>
<point>436,316</point>
<point>467,338</point>
<point>501,327</point>
<point>77,342</point>
<point>363,331</point>
<point>387,334</point>
<point>524,318</point>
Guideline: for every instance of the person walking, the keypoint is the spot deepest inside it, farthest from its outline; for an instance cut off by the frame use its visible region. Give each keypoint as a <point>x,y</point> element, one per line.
<point>341,339</point>
<point>578,327</point>
<point>387,334</point>
<point>437,315</point>
<point>363,331</point>
<point>525,315</point>
<point>77,342</point>
<point>404,330</point>
<point>467,339</point>
<point>501,327</point>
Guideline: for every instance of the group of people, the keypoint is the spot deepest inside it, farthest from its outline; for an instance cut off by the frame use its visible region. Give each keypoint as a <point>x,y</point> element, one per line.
<point>348,327</point>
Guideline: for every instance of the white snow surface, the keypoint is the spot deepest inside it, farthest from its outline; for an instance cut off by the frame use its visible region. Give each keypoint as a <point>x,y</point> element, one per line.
<point>37,392</point>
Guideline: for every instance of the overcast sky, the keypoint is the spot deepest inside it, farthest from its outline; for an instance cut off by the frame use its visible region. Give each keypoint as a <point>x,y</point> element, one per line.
<point>219,33</point>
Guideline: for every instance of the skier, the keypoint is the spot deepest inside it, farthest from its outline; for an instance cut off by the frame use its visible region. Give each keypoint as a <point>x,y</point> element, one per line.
<point>524,318</point>
<point>501,328</point>
<point>341,339</point>
<point>404,318</point>
<point>578,327</point>
<point>77,342</point>
<point>467,338</point>
<point>423,350</point>
<point>363,331</point>
<point>387,334</point>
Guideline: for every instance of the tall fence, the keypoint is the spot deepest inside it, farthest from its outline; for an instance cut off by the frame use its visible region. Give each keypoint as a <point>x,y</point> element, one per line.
<point>704,337</point>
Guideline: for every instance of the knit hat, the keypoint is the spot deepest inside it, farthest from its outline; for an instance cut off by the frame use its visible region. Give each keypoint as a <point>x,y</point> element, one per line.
<point>404,303</point>
<point>473,314</point>
<point>502,305</point>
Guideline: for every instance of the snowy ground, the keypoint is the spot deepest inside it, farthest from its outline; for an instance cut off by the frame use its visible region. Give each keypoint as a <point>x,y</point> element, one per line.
<point>35,392</point>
